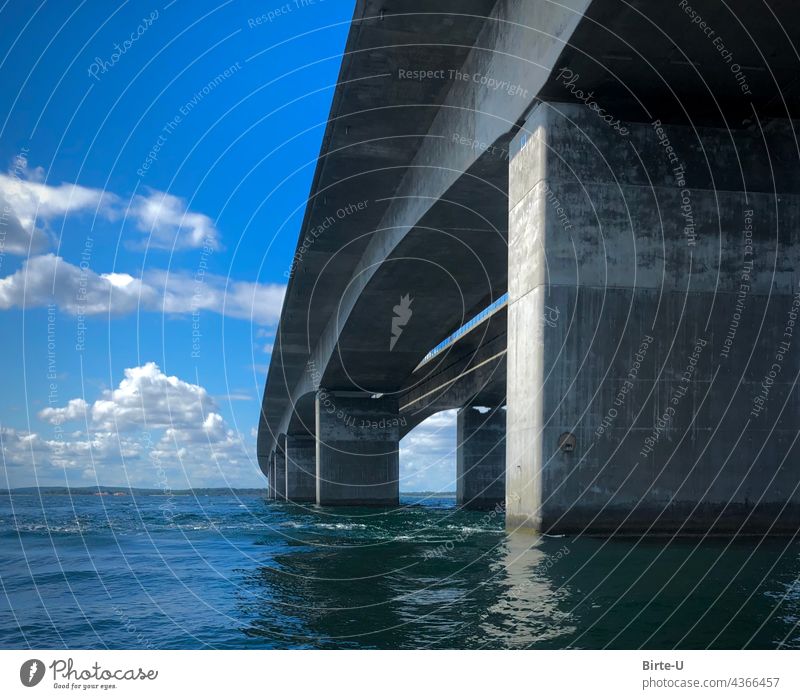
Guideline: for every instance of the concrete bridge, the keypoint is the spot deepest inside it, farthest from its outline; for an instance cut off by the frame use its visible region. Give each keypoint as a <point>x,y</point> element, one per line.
<point>606,194</point>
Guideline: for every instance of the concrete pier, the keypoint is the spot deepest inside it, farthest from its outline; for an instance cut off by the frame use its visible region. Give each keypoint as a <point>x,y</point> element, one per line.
<point>652,354</point>
<point>301,469</point>
<point>480,458</point>
<point>271,491</point>
<point>357,450</point>
<point>280,468</point>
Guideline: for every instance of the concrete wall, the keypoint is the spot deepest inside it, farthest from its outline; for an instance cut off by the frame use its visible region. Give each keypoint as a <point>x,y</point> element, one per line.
<point>652,357</point>
<point>480,458</point>
<point>357,450</point>
<point>301,469</point>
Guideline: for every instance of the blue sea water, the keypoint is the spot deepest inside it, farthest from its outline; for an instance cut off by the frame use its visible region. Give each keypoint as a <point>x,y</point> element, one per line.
<point>242,572</point>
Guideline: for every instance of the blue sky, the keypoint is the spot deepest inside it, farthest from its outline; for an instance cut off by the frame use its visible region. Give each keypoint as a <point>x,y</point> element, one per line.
<point>155,160</point>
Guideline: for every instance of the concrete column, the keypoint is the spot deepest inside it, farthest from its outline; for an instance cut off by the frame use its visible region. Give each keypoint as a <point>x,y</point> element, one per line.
<point>652,282</point>
<point>357,450</point>
<point>280,468</point>
<point>301,469</point>
<point>480,458</point>
<point>271,477</point>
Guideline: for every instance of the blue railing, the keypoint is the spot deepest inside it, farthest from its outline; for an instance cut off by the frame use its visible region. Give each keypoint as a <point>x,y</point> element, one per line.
<point>464,329</point>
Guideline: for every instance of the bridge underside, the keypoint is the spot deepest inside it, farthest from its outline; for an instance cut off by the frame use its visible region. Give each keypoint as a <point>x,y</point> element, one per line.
<point>632,187</point>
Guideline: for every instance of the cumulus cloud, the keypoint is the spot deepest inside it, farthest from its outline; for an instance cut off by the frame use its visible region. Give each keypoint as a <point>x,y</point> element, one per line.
<point>183,293</point>
<point>74,410</point>
<point>25,201</point>
<point>46,279</point>
<point>428,454</point>
<point>29,205</point>
<point>16,238</point>
<point>25,189</point>
<point>154,427</point>
<point>76,451</point>
<point>151,429</point>
<point>148,398</point>
<point>168,223</point>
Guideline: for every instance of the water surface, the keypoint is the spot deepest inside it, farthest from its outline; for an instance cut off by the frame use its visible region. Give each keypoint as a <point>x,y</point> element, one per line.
<point>242,572</point>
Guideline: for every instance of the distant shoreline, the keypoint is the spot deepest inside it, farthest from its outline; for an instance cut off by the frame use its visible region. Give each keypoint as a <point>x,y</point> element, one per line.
<point>120,491</point>
<point>114,491</point>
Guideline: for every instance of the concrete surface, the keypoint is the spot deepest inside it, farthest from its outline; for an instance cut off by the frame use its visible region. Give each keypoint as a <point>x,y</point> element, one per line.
<point>357,450</point>
<point>449,192</point>
<point>280,468</point>
<point>480,458</point>
<point>301,468</point>
<point>648,277</point>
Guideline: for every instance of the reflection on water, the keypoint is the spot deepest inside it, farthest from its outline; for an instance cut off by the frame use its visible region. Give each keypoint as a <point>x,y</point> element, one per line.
<point>368,580</point>
<point>527,608</point>
<point>231,573</point>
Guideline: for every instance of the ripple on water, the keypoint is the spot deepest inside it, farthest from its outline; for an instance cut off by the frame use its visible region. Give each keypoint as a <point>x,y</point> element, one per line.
<point>244,573</point>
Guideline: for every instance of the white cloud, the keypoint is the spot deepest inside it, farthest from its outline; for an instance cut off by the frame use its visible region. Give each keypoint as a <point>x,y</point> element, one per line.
<point>428,455</point>
<point>74,410</point>
<point>182,293</point>
<point>46,279</point>
<point>16,238</point>
<point>29,206</point>
<point>168,223</point>
<point>239,396</point>
<point>149,399</point>
<point>153,424</point>
<point>152,430</point>
<point>25,202</point>
<point>24,191</point>
<point>71,451</point>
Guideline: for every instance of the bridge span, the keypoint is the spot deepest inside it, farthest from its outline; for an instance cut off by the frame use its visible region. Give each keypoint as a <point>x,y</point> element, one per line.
<point>580,217</point>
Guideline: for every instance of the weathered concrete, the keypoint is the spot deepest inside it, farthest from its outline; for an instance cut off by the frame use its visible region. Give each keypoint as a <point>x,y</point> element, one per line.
<point>433,225</point>
<point>409,200</point>
<point>280,468</point>
<point>301,469</point>
<point>669,375</point>
<point>357,450</point>
<point>480,458</point>
<point>271,491</point>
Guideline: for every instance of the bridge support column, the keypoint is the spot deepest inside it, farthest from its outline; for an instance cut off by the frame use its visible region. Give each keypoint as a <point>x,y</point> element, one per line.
<point>301,470</point>
<point>480,458</point>
<point>271,492</point>
<point>652,346</point>
<point>357,450</point>
<point>280,468</point>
